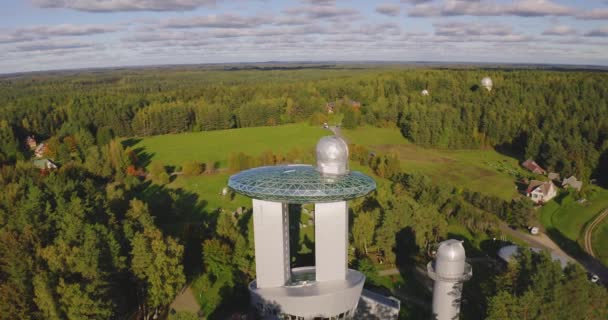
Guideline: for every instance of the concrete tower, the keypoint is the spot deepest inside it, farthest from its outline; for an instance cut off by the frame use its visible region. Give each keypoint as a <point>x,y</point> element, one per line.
<point>449,270</point>
<point>328,289</point>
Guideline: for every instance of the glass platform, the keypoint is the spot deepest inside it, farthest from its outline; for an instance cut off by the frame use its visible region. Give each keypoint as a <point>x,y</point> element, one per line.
<point>299,184</point>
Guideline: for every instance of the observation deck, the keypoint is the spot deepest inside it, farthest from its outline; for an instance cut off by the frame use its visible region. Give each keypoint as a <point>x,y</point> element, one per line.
<point>300,184</point>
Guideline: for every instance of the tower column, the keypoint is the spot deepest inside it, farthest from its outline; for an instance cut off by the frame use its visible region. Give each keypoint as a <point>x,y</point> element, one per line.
<point>331,240</point>
<point>271,234</point>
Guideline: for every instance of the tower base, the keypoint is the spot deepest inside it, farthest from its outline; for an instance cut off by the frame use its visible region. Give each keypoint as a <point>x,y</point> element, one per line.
<point>304,298</point>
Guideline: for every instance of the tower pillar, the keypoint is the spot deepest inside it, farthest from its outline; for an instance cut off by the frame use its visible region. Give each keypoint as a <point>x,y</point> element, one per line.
<point>271,233</point>
<point>331,240</point>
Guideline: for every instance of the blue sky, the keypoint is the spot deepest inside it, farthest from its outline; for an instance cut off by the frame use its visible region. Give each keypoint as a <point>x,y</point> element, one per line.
<point>62,34</point>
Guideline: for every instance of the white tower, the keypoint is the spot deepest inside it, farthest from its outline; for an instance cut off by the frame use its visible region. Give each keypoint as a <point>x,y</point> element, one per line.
<point>449,270</point>
<point>328,289</point>
<point>487,83</point>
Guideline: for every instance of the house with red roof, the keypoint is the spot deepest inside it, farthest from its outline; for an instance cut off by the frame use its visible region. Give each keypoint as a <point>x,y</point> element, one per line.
<point>533,166</point>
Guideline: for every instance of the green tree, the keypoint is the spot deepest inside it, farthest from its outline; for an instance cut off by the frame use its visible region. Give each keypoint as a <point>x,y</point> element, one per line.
<point>350,120</point>
<point>156,262</point>
<point>364,227</point>
<point>192,168</point>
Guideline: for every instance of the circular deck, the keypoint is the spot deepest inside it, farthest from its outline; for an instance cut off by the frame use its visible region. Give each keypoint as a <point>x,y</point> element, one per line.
<point>299,184</point>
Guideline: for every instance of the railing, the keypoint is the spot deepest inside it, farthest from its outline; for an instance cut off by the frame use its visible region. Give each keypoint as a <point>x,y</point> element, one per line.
<point>466,275</point>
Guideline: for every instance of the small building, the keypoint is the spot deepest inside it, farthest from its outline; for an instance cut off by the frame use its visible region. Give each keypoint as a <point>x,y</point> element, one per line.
<point>572,182</point>
<point>30,142</point>
<point>44,164</point>
<point>532,166</point>
<point>541,191</point>
<point>554,176</point>
<point>41,150</point>
<point>331,106</point>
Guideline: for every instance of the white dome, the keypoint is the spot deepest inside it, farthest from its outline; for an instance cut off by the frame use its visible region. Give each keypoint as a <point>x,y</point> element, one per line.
<point>451,250</point>
<point>487,83</point>
<point>332,156</point>
<point>425,92</point>
<point>451,259</point>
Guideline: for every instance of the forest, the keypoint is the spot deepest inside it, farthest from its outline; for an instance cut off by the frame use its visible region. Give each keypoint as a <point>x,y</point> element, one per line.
<point>553,117</point>
<point>104,237</point>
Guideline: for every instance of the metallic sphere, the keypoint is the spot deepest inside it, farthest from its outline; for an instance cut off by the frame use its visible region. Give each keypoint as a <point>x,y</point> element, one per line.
<point>332,156</point>
<point>486,83</point>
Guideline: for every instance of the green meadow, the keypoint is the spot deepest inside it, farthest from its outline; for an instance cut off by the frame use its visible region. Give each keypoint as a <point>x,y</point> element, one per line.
<point>485,171</point>
<point>206,146</point>
<point>479,170</point>
<point>600,241</point>
<point>570,218</point>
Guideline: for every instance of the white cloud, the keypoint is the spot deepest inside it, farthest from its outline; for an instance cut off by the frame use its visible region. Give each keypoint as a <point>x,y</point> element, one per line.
<point>599,32</point>
<point>321,12</point>
<point>458,29</point>
<point>124,5</point>
<point>560,31</point>
<point>594,14</point>
<point>522,8</point>
<point>217,21</point>
<point>52,46</point>
<point>392,10</point>
<point>62,30</point>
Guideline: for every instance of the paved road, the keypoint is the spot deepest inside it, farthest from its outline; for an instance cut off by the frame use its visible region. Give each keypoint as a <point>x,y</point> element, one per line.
<point>542,241</point>
<point>589,232</point>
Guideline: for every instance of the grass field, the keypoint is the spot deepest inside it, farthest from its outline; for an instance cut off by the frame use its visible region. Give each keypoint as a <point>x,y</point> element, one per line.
<point>570,218</point>
<point>478,170</point>
<point>600,242</point>
<point>485,171</point>
<point>175,149</point>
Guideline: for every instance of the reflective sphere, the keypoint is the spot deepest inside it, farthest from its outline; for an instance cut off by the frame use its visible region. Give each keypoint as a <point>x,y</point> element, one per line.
<point>486,83</point>
<point>332,156</point>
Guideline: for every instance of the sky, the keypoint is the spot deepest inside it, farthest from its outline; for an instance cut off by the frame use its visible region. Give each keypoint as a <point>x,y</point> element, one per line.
<point>67,34</point>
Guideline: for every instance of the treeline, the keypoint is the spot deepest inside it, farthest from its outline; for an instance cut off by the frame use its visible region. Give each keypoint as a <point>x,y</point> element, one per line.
<point>468,207</point>
<point>550,116</point>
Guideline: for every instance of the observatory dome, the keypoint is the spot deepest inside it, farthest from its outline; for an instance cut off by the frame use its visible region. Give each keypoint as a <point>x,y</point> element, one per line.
<point>486,83</point>
<point>332,156</point>
<point>451,250</point>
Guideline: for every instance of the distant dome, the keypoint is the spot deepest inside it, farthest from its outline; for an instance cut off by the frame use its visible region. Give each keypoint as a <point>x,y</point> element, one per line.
<point>425,92</point>
<point>332,156</point>
<point>506,253</point>
<point>487,83</point>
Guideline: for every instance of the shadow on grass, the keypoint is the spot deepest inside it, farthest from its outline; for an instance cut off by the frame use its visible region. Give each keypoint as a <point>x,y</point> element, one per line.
<point>144,158</point>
